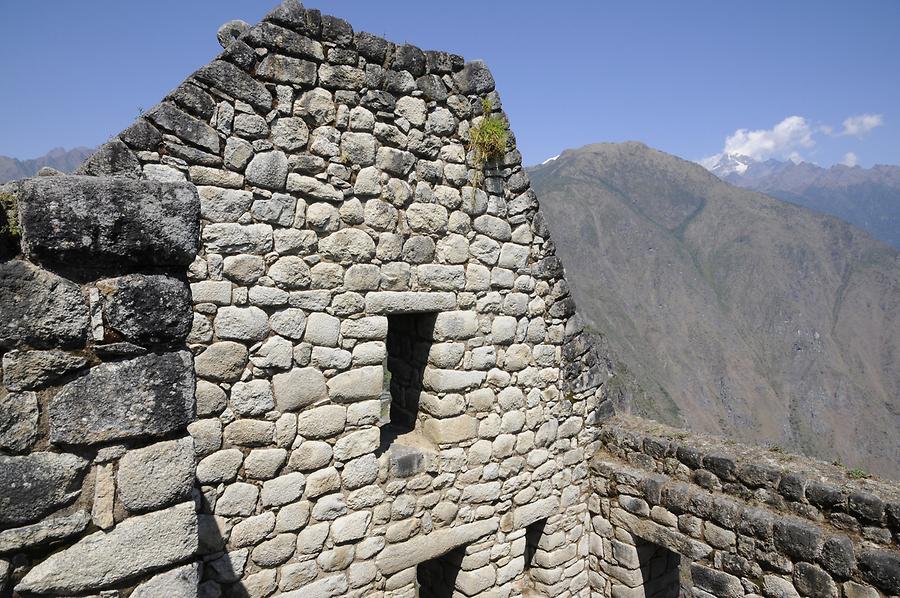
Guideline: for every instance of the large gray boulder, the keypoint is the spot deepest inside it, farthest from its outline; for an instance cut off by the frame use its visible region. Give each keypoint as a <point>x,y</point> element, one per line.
<point>147,309</point>
<point>37,484</point>
<point>136,546</point>
<point>151,395</point>
<point>93,220</point>
<point>39,308</point>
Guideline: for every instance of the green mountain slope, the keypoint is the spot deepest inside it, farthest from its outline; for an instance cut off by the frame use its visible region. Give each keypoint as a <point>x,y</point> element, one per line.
<point>737,313</point>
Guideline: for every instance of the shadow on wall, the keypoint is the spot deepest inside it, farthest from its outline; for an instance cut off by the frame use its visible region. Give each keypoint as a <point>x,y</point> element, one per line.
<point>409,341</point>
<point>661,571</point>
<point>437,578</point>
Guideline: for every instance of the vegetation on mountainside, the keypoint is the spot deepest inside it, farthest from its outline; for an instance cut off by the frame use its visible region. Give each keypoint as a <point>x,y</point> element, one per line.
<point>488,138</point>
<point>9,224</point>
<point>857,474</point>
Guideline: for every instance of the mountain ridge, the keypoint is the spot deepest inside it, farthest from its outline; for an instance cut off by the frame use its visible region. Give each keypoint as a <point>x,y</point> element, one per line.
<point>866,197</point>
<point>667,262</point>
<point>59,158</point>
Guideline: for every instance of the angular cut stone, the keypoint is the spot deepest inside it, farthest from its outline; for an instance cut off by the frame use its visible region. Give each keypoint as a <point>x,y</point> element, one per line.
<point>358,384</point>
<point>356,444</point>
<point>322,422</point>
<point>407,302</point>
<point>252,398</point>
<point>237,238</point>
<point>327,587</point>
<point>185,127</point>
<point>223,205</point>
<point>350,527</point>
<point>242,323</point>
<point>451,430</point>
<point>285,69</point>
<point>475,78</point>
<point>177,583</point>
<point>39,308</point>
<point>661,535</point>
<point>284,40</point>
<point>298,388</point>
<point>48,530</point>
<point>440,380</point>
<point>37,484</point>
<point>18,420</point>
<point>147,308</point>
<point>348,245</point>
<point>427,217</point>
<point>717,583</point>
<point>150,542</point>
<point>341,77</point>
<point>113,158</point>
<point>235,82</point>
<point>150,395</point>
<point>525,515</point>
<point>312,188</point>
<point>24,370</point>
<point>109,220</point>
<point>157,475</point>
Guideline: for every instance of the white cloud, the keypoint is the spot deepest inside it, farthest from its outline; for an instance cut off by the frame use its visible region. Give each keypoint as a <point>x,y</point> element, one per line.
<point>788,140</point>
<point>861,124</point>
<point>782,140</point>
<point>850,159</point>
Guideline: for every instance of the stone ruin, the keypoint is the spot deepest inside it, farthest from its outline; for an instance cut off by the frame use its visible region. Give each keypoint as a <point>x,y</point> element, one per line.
<point>283,337</point>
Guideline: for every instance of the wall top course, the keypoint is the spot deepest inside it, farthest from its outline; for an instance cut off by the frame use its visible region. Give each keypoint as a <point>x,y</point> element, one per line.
<point>793,483</point>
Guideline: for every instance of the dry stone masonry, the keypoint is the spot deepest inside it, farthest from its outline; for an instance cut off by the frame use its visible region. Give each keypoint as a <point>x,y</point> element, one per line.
<point>98,386</point>
<point>281,337</point>
<point>671,509</point>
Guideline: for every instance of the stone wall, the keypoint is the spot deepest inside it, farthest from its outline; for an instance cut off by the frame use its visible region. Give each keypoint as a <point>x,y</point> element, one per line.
<point>96,466</point>
<point>341,213</point>
<point>741,521</point>
<point>285,336</point>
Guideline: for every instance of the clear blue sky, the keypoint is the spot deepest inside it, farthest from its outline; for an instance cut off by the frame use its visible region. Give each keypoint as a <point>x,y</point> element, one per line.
<point>681,76</point>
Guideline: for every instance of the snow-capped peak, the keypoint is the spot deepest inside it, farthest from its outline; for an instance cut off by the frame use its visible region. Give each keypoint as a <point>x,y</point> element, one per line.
<point>548,160</point>
<point>722,165</point>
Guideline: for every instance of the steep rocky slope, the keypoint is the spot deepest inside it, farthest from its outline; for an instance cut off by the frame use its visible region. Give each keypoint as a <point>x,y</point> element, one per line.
<point>737,313</point>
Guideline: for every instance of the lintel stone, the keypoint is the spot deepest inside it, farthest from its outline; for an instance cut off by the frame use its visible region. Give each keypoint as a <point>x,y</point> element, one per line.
<point>408,302</point>
<point>398,557</point>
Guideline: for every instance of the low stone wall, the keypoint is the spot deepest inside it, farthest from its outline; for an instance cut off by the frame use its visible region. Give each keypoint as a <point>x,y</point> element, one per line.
<point>736,520</point>
<point>96,466</point>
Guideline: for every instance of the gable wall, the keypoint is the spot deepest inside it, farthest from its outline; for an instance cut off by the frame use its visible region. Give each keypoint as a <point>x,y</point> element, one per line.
<point>336,189</point>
